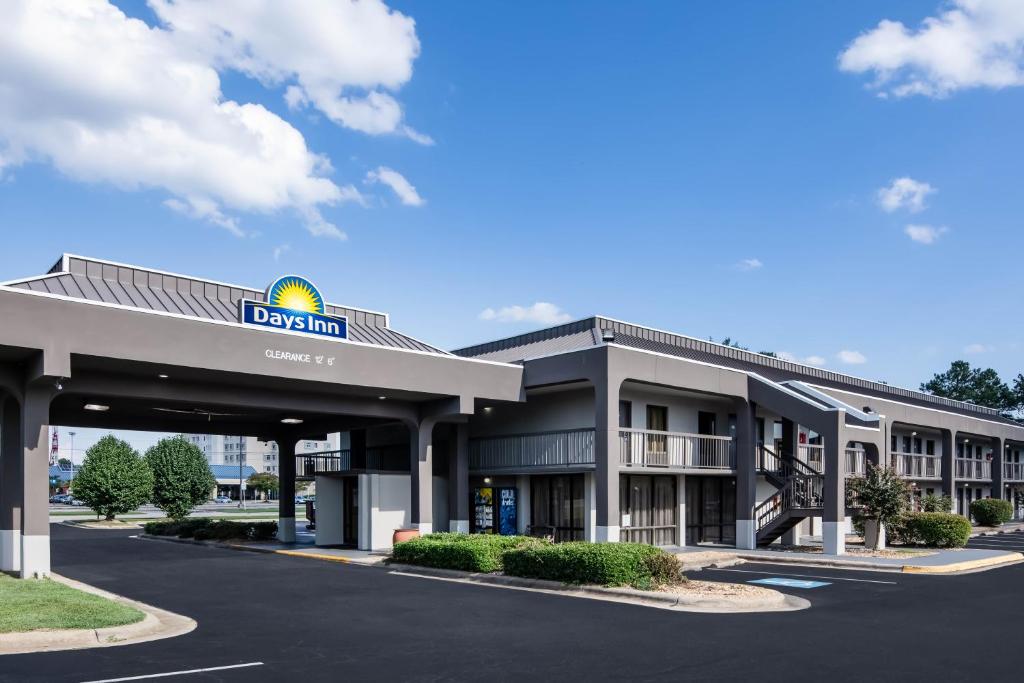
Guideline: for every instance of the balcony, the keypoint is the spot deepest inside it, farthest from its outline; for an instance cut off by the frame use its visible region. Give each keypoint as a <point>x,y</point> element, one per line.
<point>813,456</point>
<point>572,448</point>
<point>856,462</point>
<point>916,465</point>
<point>391,458</point>
<point>1013,471</point>
<point>973,470</point>
<point>675,450</point>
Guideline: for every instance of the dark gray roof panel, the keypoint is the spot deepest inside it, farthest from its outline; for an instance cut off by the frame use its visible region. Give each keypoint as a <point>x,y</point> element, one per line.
<point>144,289</point>
<point>573,337</point>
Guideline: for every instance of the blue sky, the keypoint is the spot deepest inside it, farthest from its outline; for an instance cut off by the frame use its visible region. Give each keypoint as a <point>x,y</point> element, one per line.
<point>706,168</point>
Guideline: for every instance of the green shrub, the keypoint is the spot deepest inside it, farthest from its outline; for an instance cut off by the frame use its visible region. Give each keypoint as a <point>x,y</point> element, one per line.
<point>467,552</point>
<point>933,503</point>
<point>203,529</point>
<point>939,529</point>
<point>900,530</point>
<point>608,564</point>
<point>991,511</point>
<point>181,476</point>
<point>113,479</point>
<point>185,528</point>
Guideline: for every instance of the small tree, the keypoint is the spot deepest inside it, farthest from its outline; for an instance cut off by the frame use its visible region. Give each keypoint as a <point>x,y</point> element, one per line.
<point>181,476</point>
<point>113,479</point>
<point>933,503</point>
<point>883,495</point>
<point>263,482</point>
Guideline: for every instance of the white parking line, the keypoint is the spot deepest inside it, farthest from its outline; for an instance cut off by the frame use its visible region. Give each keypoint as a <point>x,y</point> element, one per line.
<point>807,576</point>
<point>177,673</point>
<point>996,546</point>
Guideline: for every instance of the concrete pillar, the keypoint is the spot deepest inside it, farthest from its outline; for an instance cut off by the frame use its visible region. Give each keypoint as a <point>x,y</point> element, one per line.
<point>833,528</point>
<point>524,515</point>
<point>458,481</point>
<point>286,492</point>
<point>949,464</point>
<point>330,511</point>
<point>681,510</point>
<point>357,448</point>
<point>10,485</point>
<point>421,447</point>
<point>998,454</point>
<point>746,474</point>
<point>790,437</point>
<point>589,507</point>
<point>35,512</point>
<point>606,457</point>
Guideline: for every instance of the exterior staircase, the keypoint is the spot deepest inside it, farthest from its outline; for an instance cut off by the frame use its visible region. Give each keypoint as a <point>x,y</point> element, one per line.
<point>800,494</point>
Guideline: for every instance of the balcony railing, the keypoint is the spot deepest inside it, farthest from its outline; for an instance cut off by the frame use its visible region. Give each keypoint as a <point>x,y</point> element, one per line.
<point>675,450</point>
<point>1013,471</point>
<point>916,465</point>
<point>308,466</point>
<point>566,448</point>
<point>389,458</point>
<point>812,455</point>
<point>973,470</point>
<point>856,462</point>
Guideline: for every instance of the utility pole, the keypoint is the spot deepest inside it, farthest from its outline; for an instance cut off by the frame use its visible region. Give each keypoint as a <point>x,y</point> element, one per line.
<point>241,480</point>
<point>71,483</point>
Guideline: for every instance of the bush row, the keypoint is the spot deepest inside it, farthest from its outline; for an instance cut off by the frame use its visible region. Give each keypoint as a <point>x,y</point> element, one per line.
<point>206,529</point>
<point>609,564</point>
<point>991,511</point>
<point>932,529</point>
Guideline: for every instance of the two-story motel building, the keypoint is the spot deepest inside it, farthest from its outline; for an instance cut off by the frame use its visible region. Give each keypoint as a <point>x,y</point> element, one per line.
<point>595,430</point>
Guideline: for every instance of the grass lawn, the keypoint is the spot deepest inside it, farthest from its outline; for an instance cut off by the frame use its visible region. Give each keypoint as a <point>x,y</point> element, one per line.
<point>33,604</point>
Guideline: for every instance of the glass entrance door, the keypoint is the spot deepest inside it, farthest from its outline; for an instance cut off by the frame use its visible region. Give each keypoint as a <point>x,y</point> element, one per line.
<point>710,510</point>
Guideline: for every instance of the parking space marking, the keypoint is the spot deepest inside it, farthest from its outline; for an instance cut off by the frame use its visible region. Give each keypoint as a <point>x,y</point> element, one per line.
<point>177,673</point>
<point>808,576</point>
<point>790,583</point>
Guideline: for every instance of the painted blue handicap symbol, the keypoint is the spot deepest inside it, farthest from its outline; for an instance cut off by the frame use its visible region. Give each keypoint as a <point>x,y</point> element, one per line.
<point>790,583</point>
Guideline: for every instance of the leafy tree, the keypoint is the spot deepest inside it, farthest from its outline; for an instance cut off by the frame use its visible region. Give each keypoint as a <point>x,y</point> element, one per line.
<point>113,479</point>
<point>181,477</point>
<point>974,385</point>
<point>64,464</point>
<point>883,495</point>
<point>263,482</point>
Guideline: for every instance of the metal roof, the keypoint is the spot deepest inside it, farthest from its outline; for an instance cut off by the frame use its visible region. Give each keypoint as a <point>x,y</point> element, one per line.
<point>90,279</point>
<point>587,333</point>
<point>231,471</point>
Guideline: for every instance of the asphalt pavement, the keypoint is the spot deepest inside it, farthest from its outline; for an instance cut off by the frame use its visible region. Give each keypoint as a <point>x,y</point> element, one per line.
<point>280,618</point>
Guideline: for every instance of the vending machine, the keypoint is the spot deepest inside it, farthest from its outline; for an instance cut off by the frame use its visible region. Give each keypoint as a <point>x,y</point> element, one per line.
<point>495,511</point>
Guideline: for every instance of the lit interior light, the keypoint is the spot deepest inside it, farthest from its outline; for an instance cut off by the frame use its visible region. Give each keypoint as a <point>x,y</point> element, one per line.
<point>97,407</point>
<point>291,421</point>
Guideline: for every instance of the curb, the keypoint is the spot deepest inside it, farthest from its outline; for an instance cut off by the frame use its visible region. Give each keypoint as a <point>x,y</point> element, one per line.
<point>266,551</point>
<point>156,625</point>
<point>940,569</point>
<point>780,602</point>
<point>811,561</point>
<point>986,563</point>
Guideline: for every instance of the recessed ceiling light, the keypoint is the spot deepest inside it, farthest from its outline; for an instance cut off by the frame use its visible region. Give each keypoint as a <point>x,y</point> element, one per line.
<point>291,421</point>
<point>383,398</point>
<point>161,376</point>
<point>97,407</point>
<point>488,409</point>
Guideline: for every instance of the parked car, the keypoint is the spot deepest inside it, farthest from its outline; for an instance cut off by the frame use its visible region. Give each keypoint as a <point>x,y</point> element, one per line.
<point>300,500</point>
<point>76,502</point>
<point>221,499</point>
<point>59,498</point>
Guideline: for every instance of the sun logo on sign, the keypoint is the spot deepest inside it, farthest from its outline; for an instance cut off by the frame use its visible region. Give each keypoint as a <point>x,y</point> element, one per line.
<point>297,294</point>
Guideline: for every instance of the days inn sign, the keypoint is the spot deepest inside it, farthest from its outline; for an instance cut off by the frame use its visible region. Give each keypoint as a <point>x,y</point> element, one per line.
<point>294,304</point>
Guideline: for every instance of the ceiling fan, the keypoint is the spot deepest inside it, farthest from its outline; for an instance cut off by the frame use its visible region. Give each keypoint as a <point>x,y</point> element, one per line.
<point>198,412</point>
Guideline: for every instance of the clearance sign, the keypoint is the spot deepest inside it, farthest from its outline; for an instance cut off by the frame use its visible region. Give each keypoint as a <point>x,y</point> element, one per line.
<point>294,304</point>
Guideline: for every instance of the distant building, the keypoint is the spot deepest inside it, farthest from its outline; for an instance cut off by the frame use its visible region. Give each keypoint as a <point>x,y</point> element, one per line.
<point>260,455</point>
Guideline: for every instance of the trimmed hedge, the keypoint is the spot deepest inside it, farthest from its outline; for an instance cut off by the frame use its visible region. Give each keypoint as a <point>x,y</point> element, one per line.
<point>467,552</point>
<point>204,529</point>
<point>991,511</point>
<point>608,564</point>
<point>938,529</point>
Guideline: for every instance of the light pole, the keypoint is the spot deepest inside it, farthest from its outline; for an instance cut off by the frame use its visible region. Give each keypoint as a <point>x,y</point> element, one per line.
<point>241,481</point>
<point>71,482</point>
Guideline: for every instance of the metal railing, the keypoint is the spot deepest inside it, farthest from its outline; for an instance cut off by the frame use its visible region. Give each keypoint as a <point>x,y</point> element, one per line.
<point>856,462</point>
<point>310,465</point>
<point>800,492</point>
<point>675,450</point>
<point>813,455</point>
<point>974,470</point>
<point>916,465</point>
<point>565,448</point>
<point>1013,471</point>
<point>389,458</point>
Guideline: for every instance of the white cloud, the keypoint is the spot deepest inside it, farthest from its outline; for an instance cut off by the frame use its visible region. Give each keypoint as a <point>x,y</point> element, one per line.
<point>343,57</point>
<point>904,193</point>
<point>925,234</point>
<point>749,264</point>
<point>105,98</point>
<point>973,43</point>
<point>540,312</point>
<point>399,185</point>
<point>851,357</point>
<point>281,250</point>
<point>977,348</point>
<point>816,361</point>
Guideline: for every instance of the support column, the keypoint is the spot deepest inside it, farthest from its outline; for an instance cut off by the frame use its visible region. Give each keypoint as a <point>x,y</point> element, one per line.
<point>10,485</point>
<point>35,514</point>
<point>833,527</point>
<point>458,480</point>
<point>746,474</point>
<point>357,448</point>
<point>421,447</point>
<point>997,491</point>
<point>949,464</point>
<point>790,444</point>
<point>606,458</point>
<point>286,491</point>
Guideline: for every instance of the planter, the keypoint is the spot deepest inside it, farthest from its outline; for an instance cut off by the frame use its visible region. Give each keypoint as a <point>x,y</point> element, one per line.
<point>404,535</point>
<point>872,531</point>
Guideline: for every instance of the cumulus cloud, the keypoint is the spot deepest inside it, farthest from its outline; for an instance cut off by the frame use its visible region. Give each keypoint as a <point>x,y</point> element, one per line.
<point>405,191</point>
<point>925,234</point>
<point>816,361</point>
<point>749,264</point>
<point>345,58</point>
<point>972,44</point>
<point>851,357</point>
<point>281,250</point>
<point>144,111</point>
<point>540,312</point>
<point>977,348</point>
<point>904,193</point>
